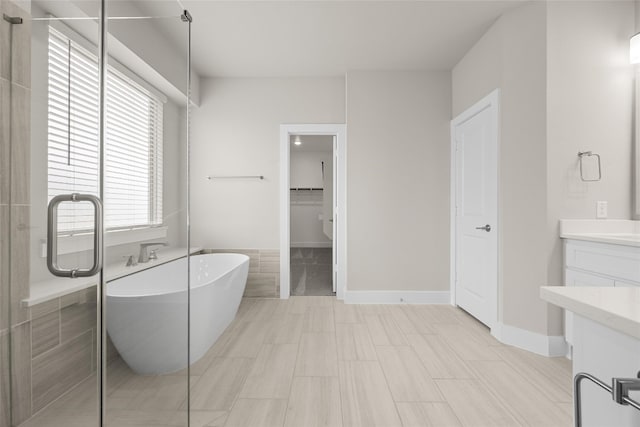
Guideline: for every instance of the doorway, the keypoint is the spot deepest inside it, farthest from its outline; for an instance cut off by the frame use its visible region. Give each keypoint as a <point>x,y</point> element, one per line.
<point>313,199</point>
<point>311,205</point>
<point>474,209</point>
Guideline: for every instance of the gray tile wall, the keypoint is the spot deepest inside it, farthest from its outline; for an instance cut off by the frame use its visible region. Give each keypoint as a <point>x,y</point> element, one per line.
<point>21,372</point>
<point>16,77</point>
<point>54,350</point>
<point>15,329</point>
<point>4,375</point>
<point>60,369</point>
<point>4,268</point>
<point>5,182</point>
<point>4,379</point>
<point>264,271</point>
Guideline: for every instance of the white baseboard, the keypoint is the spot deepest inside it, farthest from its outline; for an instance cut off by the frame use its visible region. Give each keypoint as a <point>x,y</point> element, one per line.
<point>396,297</point>
<point>311,244</point>
<point>531,341</point>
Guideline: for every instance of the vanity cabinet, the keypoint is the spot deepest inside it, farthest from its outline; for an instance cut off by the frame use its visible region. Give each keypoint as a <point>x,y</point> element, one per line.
<point>601,263</point>
<point>592,263</point>
<point>606,345</point>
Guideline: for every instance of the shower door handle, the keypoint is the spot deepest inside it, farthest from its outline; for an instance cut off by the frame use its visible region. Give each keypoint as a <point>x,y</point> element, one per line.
<point>52,236</point>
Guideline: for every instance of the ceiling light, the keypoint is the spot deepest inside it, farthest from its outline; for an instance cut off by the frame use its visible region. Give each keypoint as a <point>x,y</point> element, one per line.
<point>297,140</point>
<point>634,49</point>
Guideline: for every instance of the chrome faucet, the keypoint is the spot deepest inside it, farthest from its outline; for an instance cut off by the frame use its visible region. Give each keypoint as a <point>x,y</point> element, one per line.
<point>144,251</point>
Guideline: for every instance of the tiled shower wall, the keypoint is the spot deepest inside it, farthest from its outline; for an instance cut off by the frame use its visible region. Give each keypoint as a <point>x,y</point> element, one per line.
<point>15,96</point>
<point>63,344</point>
<point>54,351</point>
<point>264,271</point>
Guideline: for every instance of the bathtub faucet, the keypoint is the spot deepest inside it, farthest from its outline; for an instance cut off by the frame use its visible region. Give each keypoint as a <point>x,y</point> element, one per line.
<point>144,250</point>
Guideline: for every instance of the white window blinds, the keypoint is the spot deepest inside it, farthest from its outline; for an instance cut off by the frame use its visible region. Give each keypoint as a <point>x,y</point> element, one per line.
<point>133,141</point>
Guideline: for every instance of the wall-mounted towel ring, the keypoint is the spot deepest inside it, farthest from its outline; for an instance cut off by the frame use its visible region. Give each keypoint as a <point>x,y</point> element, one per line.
<point>582,155</point>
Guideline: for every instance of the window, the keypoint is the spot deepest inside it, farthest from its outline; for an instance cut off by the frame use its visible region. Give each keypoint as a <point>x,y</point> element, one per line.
<point>133,141</point>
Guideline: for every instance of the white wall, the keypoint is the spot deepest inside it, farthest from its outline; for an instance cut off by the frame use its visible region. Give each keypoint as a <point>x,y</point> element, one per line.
<point>174,182</point>
<point>135,42</point>
<point>566,86</point>
<point>590,98</point>
<point>397,180</point>
<point>306,206</point>
<point>236,131</point>
<point>589,107</point>
<point>512,56</point>
<point>306,166</point>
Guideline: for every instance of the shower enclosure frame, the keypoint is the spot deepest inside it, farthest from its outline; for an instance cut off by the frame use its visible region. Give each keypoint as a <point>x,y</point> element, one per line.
<point>100,338</point>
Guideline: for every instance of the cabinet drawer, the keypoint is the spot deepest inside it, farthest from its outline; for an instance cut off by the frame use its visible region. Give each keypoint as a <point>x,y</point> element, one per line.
<point>619,262</point>
<point>579,278</point>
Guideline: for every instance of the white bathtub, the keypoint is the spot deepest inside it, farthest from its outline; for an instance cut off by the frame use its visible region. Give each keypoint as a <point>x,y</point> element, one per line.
<point>147,311</point>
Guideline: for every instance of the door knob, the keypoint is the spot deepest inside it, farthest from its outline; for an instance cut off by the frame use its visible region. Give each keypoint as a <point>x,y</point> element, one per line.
<point>486,228</point>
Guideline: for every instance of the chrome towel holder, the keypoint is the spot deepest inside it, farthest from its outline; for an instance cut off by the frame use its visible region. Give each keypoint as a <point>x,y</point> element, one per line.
<point>260,177</point>
<point>619,391</point>
<point>582,155</point>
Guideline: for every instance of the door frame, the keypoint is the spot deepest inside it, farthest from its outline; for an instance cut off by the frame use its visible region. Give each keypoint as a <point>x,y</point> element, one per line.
<point>492,102</point>
<point>340,214</point>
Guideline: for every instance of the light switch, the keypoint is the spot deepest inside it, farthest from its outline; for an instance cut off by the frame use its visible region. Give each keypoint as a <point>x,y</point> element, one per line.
<point>601,210</point>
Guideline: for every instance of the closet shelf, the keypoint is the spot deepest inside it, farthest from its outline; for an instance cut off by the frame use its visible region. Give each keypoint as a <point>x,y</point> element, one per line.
<point>305,189</point>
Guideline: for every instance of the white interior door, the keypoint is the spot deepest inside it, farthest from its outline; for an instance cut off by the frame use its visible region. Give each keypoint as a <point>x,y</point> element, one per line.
<point>475,140</point>
<point>329,201</point>
<point>334,196</point>
<point>327,198</point>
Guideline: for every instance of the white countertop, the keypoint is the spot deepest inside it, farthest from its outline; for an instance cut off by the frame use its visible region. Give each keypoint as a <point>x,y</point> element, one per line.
<point>625,239</point>
<point>59,286</point>
<point>611,231</point>
<point>616,308</point>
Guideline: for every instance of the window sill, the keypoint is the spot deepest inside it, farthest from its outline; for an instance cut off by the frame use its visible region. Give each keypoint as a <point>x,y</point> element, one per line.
<point>84,242</point>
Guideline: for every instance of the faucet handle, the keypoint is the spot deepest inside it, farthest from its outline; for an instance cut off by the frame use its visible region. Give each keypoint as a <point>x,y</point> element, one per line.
<point>144,250</point>
<point>131,260</point>
<point>153,254</point>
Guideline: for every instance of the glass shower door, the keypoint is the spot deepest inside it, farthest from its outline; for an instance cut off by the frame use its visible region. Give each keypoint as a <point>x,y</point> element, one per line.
<point>145,186</point>
<point>49,151</point>
<point>55,334</point>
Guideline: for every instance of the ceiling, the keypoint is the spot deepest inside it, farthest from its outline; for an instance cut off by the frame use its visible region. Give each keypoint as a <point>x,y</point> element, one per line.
<point>330,37</point>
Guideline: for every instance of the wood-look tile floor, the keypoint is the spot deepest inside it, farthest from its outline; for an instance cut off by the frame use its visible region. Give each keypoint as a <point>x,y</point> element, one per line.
<point>314,361</point>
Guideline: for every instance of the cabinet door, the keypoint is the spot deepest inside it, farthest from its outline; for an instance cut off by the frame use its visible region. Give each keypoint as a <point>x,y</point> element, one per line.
<point>578,278</point>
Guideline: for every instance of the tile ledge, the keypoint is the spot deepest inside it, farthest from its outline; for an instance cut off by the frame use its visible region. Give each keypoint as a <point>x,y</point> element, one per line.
<point>48,290</point>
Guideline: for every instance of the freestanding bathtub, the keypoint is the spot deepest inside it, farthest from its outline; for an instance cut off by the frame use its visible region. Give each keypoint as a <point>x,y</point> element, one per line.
<point>147,311</point>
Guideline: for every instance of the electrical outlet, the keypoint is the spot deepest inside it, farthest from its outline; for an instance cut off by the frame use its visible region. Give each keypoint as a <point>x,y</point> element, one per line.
<point>601,210</point>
